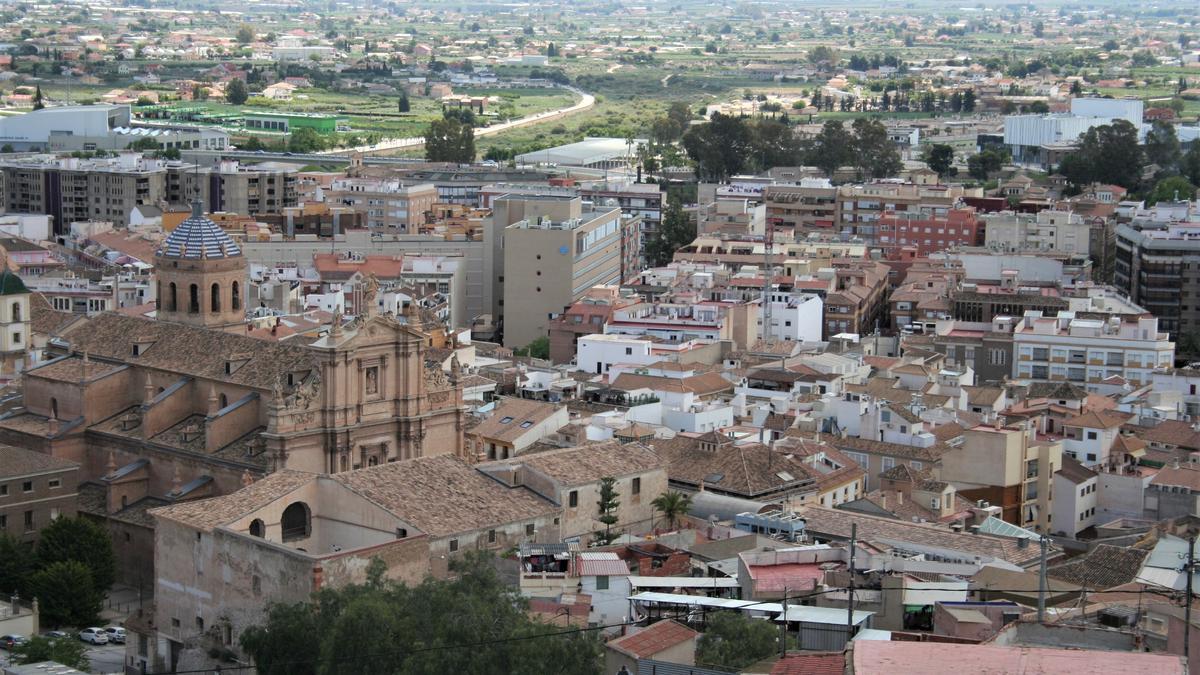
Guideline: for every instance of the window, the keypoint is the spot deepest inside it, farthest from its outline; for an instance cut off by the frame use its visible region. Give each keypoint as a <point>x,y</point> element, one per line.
<point>1091,457</point>
<point>573,499</point>
<point>491,536</point>
<point>236,297</point>
<point>55,512</point>
<point>1091,435</point>
<point>215,299</point>
<point>4,490</point>
<point>888,462</point>
<point>628,351</point>
<point>27,486</point>
<point>529,530</point>
<point>200,624</point>
<point>54,483</point>
<point>257,528</point>
<point>453,545</point>
<point>194,299</point>
<point>636,487</point>
<point>29,521</point>
<point>3,522</point>
<point>602,583</point>
<point>174,622</point>
<point>296,522</point>
<point>526,424</point>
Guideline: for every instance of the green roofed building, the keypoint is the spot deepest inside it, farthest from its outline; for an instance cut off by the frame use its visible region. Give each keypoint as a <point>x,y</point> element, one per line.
<point>287,122</point>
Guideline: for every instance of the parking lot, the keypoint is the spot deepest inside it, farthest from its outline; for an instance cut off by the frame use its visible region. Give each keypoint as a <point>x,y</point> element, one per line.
<point>109,658</point>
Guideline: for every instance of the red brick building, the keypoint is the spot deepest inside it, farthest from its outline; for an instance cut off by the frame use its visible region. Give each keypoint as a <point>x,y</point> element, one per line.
<point>929,233</point>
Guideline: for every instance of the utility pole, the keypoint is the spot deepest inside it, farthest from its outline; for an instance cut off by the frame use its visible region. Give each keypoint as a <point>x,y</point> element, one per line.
<point>850,596</point>
<point>783,627</point>
<point>1187,607</point>
<point>1042,582</point>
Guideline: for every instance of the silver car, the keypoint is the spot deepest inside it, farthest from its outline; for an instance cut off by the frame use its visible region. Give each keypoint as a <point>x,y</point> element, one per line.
<point>96,636</point>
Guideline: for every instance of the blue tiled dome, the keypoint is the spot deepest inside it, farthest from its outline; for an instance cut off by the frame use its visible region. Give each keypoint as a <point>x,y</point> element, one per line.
<point>199,237</point>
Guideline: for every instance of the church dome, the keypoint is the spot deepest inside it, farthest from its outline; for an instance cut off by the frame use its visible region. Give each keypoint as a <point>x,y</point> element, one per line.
<point>199,237</point>
<point>11,284</point>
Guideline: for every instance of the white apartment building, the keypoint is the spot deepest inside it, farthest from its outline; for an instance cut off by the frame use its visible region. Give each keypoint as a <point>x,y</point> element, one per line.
<point>1059,231</point>
<point>598,353</point>
<point>1075,499</point>
<point>794,317</point>
<point>1086,351</point>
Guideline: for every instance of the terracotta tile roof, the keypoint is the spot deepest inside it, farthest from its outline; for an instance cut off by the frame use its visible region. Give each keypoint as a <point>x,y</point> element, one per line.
<point>22,462</point>
<point>702,385</point>
<point>336,267</point>
<point>189,350</point>
<point>937,658</point>
<point>1170,432</point>
<point>516,411</point>
<point>46,320</point>
<point>983,396</point>
<point>590,463</point>
<point>1178,476</point>
<point>1106,566</point>
<point>72,369</point>
<point>443,495</point>
<point>653,639</point>
<point>1098,419</point>
<point>602,564</point>
<point>1075,472</point>
<point>932,453</point>
<point>747,470</point>
<point>206,514</point>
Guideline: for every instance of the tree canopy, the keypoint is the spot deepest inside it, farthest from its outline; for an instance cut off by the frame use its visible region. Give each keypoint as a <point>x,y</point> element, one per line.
<point>66,594</point>
<point>82,540</point>
<point>236,92</point>
<point>675,231</point>
<point>1107,154</point>
<point>473,624</point>
<point>450,140</point>
<point>940,158</point>
<point>733,641</point>
<point>69,652</point>
<point>1172,188</point>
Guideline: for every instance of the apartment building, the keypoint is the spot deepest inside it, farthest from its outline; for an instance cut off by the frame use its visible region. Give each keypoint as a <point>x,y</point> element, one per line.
<point>679,322</point>
<point>1048,230</point>
<point>636,200</point>
<point>553,254</point>
<point>928,232</point>
<point>861,207</point>
<point>391,205</point>
<point>737,251</point>
<point>1009,467</point>
<point>1087,351</point>
<point>857,305</point>
<point>72,189</point>
<point>1159,266</point>
<point>35,489</point>
<point>807,206</point>
<point>585,316</point>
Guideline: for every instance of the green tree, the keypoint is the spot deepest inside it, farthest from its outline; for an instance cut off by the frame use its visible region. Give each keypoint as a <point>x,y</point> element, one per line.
<point>403,104</point>
<point>968,101</point>
<point>538,349</point>
<point>1172,188</point>
<point>733,641</point>
<point>81,540</point>
<point>1190,166</point>
<point>245,34</point>
<point>1162,146</point>
<point>832,148</point>
<point>1107,154</point>
<point>38,101</point>
<point>607,507</point>
<point>673,506</point>
<point>981,166</point>
<point>720,148</point>
<point>551,50</point>
<point>822,55</point>
<point>384,628</point>
<point>675,231</point>
<point>17,564</point>
<point>940,158</point>
<point>449,140</point>
<point>773,143</point>
<point>875,155</point>
<point>236,92</point>
<point>70,653</point>
<point>66,594</point>
<point>305,140</point>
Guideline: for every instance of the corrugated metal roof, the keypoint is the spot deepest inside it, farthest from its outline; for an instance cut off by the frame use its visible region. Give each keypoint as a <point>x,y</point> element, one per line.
<point>827,615</point>
<point>597,564</point>
<point>682,582</point>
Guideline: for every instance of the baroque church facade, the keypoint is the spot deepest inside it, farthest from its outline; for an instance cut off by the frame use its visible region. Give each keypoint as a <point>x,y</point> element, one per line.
<point>187,406</point>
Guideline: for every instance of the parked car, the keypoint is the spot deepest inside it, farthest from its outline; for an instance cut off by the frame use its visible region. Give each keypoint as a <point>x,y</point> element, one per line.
<point>56,634</point>
<point>13,640</point>
<point>116,634</point>
<point>96,636</point>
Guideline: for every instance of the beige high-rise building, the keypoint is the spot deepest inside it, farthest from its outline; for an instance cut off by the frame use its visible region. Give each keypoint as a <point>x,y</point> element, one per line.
<point>554,249</point>
<point>392,205</point>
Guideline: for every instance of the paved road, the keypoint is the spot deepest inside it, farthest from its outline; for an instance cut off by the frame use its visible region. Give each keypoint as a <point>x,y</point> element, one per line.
<point>585,101</point>
<point>109,658</point>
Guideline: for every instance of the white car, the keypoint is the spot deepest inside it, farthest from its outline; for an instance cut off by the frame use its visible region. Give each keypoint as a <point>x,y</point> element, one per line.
<point>116,634</point>
<point>96,636</point>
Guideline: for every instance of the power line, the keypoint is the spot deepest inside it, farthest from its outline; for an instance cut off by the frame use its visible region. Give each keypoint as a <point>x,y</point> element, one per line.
<point>575,631</point>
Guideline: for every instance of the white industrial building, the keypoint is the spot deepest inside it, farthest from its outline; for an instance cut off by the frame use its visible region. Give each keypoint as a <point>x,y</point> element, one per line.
<point>591,152</point>
<point>98,127</point>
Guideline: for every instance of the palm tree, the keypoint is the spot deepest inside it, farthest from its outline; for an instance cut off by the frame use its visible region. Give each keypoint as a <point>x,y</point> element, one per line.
<point>672,505</point>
